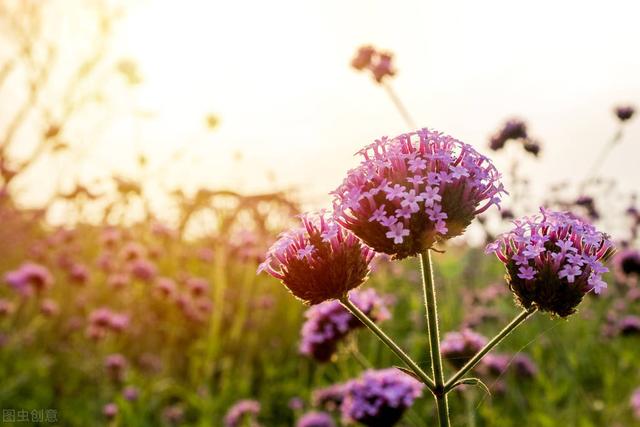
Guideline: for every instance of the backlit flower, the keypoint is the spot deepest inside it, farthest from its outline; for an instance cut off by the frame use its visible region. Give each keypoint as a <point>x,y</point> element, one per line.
<point>318,261</point>
<point>553,260</point>
<point>414,190</point>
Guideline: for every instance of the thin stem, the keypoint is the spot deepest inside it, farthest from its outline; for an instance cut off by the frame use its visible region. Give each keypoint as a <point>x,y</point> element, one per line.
<point>524,315</point>
<point>606,149</point>
<point>388,341</point>
<point>429,290</point>
<point>399,105</point>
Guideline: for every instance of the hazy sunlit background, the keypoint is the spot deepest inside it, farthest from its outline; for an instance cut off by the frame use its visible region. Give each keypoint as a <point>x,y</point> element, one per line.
<point>152,151</point>
<point>292,112</point>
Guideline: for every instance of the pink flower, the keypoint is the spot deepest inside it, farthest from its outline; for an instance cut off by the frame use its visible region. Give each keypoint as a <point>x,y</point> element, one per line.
<point>397,232</point>
<point>459,347</point>
<point>79,273</point>
<point>115,364</point>
<point>143,269</point>
<point>313,268</point>
<point>165,286</point>
<point>383,67</point>
<point>433,186</point>
<point>378,63</point>
<point>110,410</point>
<point>29,278</point>
<point>49,307</point>
<point>363,57</point>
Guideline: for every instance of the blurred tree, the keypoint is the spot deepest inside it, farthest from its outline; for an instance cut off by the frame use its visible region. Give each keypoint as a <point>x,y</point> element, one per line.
<point>54,64</point>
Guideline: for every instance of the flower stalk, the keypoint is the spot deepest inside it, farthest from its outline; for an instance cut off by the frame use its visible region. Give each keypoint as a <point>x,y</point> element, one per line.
<point>429,290</point>
<point>517,321</point>
<point>388,342</point>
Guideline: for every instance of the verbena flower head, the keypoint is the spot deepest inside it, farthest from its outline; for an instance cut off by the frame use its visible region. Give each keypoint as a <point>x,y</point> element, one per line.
<point>379,398</point>
<point>363,57</point>
<point>49,307</point>
<point>624,112</point>
<point>318,261</point>
<point>627,264</point>
<point>79,273</point>
<point>29,278</point>
<point>316,419</point>
<point>553,260</point>
<point>379,63</point>
<point>110,410</point>
<point>130,393</point>
<point>629,325</point>
<point>240,411</point>
<point>329,322</point>
<point>329,398</point>
<point>512,129</point>
<point>115,365</point>
<point>414,190</point>
<point>495,364</point>
<point>143,269</point>
<point>173,414</point>
<point>459,347</point>
<point>524,366</point>
<point>296,404</point>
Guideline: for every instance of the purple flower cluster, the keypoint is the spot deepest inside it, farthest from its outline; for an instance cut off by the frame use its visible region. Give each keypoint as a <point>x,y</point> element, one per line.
<point>110,410</point>
<point>379,398</point>
<point>629,325</point>
<point>524,366</point>
<point>624,112</point>
<point>379,63</point>
<point>115,365</point>
<point>240,411</point>
<point>316,419</point>
<point>318,261</point>
<point>553,260</point>
<point>414,190</point>
<point>329,398</point>
<point>29,278</point>
<point>103,320</point>
<point>627,264</point>
<point>459,347</point>
<point>514,129</point>
<point>329,322</point>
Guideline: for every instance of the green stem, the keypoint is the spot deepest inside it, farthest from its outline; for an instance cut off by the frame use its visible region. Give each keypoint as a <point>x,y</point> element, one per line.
<point>429,290</point>
<point>524,315</point>
<point>388,341</point>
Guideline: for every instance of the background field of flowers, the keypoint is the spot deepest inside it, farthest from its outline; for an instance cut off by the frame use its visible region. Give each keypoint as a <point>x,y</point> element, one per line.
<point>150,153</point>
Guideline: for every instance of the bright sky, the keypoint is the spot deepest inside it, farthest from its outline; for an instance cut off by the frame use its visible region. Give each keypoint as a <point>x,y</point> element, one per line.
<point>277,74</point>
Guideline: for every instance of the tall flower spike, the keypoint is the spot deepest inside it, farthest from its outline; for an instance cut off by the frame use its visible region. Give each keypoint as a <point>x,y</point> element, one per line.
<point>319,261</point>
<point>414,190</point>
<point>553,260</point>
